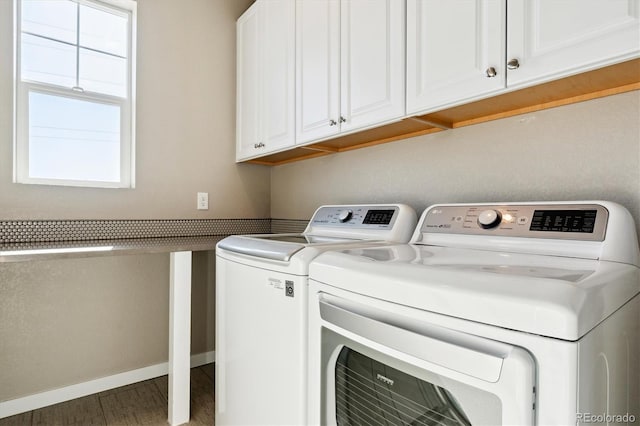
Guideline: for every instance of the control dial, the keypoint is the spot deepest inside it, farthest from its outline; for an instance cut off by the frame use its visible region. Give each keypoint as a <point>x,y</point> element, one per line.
<point>489,219</point>
<point>345,215</point>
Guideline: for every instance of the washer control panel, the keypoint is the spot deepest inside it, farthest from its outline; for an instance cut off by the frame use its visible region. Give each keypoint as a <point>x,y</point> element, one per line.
<point>378,217</point>
<point>585,222</point>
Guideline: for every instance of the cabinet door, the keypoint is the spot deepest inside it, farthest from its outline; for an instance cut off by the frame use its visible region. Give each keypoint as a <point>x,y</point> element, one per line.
<point>452,46</point>
<point>248,84</point>
<point>266,78</point>
<point>317,69</point>
<point>278,74</point>
<point>552,39</point>
<point>372,62</point>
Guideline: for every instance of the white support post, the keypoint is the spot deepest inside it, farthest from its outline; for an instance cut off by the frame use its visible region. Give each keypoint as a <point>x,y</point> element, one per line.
<point>179,337</point>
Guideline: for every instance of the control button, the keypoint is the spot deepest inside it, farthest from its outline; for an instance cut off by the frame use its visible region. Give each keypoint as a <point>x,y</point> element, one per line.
<point>508,217</point>
<point>523,220</point>
<point>458,219</point>
<point>345,215</point>
<point>489,219</point>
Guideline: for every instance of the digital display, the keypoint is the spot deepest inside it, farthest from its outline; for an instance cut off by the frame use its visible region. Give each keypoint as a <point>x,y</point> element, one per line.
<point>378,217</point>
<point>563,221</point>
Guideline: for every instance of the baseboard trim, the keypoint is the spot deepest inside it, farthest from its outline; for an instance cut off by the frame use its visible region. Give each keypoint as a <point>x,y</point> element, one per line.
<point>67,393</point>
<point>201,359</point>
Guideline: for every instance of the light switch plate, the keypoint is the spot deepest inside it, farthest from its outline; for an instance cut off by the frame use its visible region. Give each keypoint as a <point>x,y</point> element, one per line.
<point>203,201</point>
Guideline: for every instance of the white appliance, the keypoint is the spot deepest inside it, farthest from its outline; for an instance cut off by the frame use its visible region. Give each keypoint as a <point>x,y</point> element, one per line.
<point>261,315</point>
<point>516,314</point>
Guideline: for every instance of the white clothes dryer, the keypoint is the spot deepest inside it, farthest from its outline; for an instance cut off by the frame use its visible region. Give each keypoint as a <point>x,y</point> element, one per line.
<point>519,314</point>
<point>261,315</point>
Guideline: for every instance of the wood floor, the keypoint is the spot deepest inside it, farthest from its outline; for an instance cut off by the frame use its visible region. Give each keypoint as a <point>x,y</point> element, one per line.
<point>143,403</point>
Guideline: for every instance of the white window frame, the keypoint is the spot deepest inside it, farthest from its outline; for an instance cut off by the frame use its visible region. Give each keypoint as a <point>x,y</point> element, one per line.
<point>127,105</point>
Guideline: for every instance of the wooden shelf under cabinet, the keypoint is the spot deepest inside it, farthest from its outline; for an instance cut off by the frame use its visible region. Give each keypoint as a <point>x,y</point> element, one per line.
<point>611,80</point>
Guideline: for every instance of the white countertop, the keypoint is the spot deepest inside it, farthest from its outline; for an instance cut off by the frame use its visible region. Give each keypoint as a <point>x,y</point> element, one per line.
<point>22,252</point>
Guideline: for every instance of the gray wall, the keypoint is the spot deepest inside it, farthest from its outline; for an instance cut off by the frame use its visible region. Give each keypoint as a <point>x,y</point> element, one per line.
<point>589,150</point>
<point>185,125</point>
<point>64,322</point>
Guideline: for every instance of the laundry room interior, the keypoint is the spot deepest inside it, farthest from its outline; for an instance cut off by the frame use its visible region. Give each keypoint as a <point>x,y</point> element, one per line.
<point>74,327</point>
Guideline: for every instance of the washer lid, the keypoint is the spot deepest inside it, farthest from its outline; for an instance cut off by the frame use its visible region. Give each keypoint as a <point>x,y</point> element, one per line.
<point>546,295</point>
<point>276,246</point>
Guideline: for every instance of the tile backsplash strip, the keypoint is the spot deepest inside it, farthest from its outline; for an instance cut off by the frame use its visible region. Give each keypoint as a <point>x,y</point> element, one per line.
<point>30,231</point>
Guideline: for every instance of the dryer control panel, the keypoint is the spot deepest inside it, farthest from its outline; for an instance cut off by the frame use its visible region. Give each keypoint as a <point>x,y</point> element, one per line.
<point>384,222</point>
<point>585,222</point>
<point>378,217</point>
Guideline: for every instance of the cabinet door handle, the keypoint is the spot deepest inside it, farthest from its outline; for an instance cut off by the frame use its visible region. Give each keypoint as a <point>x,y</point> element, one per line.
<point>332,123</point>
<point>513,64</point>
<point>258,145</point>
<point>491,72</point>
<point>342,119</point>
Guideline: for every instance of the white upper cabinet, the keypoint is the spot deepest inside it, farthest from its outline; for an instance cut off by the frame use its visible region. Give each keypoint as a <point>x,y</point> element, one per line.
<point>455,51</point>
<point>265,119</point>
<point>550,39</point>
<point>372,62</point>
<point>317,68</point>
<point>313,70</point>
<point>247,99</point>
<point>462,50</point>
<point>350,60</point>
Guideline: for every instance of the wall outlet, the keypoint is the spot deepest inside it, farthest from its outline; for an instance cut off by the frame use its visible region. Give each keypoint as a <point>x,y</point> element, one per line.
<point>203,201</point>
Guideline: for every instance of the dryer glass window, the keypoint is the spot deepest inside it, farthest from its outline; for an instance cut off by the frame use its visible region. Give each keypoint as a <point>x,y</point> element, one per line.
<point>370,392</point>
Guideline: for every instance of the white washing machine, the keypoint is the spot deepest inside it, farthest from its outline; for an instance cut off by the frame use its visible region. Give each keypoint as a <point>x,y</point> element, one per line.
<point>261,315</point>
<point>515,314</point>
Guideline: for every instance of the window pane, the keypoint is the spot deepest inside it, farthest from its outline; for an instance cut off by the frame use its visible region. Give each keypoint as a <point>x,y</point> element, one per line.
<point>48,61</point>
<point>73,139</point>
<point>55,19</point>
<point>103,73</point>
<point>104,31</point>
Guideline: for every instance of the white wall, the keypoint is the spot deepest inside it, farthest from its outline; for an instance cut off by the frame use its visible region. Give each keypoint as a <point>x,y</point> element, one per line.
<point>589,150</point>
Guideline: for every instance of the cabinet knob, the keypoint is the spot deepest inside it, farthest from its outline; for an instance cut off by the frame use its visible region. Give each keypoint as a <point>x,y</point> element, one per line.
<point>513,64</point>
<point>491,72</point>
<point>332,123</point>
<point>258,145</point>
<point>342,119</point>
